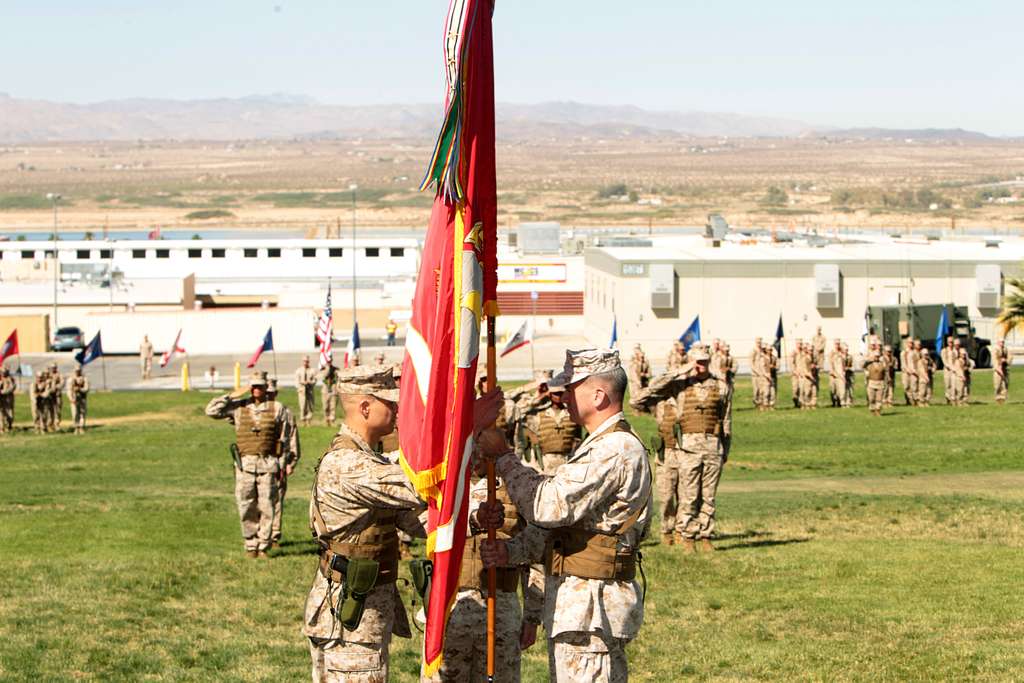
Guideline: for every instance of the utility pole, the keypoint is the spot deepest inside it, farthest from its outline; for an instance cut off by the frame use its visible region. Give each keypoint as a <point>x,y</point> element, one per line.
<point>53,197</point>
<point>353,187</point>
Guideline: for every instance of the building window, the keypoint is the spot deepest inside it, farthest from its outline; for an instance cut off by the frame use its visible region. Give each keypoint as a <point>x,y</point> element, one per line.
<point>335,252</point>
<point>106,254</point>
<point>82,254</point>
<point>249,253</point>
<point>397,252</point>
<point>195,253</point>
<point>372,252</point>
<point>28,253</point>
<point>138,253</point>
<point>274,253</point>
<point>217,253</point>
<point>163,253</point>
<point>308,252</point>
<point>49,253</point>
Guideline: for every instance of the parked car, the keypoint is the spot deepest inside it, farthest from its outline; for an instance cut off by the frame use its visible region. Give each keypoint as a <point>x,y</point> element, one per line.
<point>68,339</point>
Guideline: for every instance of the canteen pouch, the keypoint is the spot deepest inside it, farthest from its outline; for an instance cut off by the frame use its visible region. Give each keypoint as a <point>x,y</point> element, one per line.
<point>236,456</point>
<point>360,577</point>
<point>422,572</point>
<point>658,447</point>
<point>537,455</point>
<point>677,431</point>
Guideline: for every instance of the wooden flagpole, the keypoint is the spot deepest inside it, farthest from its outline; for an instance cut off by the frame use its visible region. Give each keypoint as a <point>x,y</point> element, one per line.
<point>492,573</point>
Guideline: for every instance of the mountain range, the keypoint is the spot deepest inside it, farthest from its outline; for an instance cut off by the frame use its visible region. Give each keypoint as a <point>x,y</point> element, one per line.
<point>296,116</point>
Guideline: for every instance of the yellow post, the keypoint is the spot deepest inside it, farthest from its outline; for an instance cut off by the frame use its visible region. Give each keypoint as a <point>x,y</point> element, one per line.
<point>238,375</point>
<point>184,377</point>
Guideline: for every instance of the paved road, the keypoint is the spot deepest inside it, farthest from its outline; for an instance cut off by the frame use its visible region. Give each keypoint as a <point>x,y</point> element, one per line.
<point>122,372</point>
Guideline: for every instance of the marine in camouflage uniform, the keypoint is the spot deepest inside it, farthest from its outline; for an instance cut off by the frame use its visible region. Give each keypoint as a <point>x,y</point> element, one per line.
<point>597,510</point>
<point>875,371</point>
<point>760,375</point>
<point>923,372</point>
<point>553,432</point>
<point>260,434</point>
<point>39,394</point>
<point>465,652</point>
<point>291,451</point>
<point>78,395</point>
<point>305,382</point>
<point>359,499</point>
<point>56,402</point>
<point>1001,361</point>
<point>909,363</point>
<point>639,370</point>
<point>890,376</point>
<point>946,356</point>
<point>676,355</point>
<point>7,390</point>
<point>818,346</point>
<point>849,376</point>
<point>704,421</point>
<point>329,377</point>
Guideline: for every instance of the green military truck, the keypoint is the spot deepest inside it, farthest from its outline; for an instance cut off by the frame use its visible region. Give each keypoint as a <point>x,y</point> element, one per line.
<point>893,324</point>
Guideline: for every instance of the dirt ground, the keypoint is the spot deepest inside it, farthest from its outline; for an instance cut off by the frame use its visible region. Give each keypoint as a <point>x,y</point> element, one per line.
<point>650,182</point>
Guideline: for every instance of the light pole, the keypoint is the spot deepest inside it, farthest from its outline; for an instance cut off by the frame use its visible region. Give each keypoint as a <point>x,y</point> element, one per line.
<point>353,187</point>
<point>54,197</point>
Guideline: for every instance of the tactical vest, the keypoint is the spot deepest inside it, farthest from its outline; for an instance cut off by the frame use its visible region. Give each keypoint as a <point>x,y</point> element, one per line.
<point>667,424</point>
<point>701,416</point>
<point>554,437</point>
<point>256,437</point>
<point>77,385</point>
<point>378,541</point>
<point>876,371</point>
<point>591,554</point>
<point>473,574</point>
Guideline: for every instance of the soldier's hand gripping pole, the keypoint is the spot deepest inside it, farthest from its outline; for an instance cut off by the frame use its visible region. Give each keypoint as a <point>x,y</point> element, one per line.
<point>492,573</point>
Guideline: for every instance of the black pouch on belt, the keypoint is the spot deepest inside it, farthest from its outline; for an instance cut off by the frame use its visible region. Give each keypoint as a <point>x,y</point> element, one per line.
<point>360,577</point>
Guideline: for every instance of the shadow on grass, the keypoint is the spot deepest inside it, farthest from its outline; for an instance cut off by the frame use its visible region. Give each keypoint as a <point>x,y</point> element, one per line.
<point>295,548</point>
<point>765,543</point>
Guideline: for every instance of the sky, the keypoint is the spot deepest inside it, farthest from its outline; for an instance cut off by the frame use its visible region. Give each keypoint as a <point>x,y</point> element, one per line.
<point>896,64</point>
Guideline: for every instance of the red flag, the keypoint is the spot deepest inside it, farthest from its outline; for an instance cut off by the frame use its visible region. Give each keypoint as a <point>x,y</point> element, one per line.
<point>10,347</point>
<point>456,285</point>
<point>169,353</point>
<point>267,345</point>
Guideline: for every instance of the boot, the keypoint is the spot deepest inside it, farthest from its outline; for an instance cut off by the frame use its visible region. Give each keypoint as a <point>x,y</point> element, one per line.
<point>275,545</point>
<point>667,539</point>
<point>251,554</point>
<point>705,545</point>
<point>262,554</point>
<point>688,546</point>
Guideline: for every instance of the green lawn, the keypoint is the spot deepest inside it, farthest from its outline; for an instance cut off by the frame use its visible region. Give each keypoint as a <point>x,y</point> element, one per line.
<point>852,548</point>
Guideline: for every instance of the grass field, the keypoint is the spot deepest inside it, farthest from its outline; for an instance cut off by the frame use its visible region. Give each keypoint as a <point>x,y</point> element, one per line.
<point>852,548</point>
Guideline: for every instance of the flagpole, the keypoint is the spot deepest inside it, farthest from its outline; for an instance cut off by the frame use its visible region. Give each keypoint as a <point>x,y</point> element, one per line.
<point>492,494</point>
<point>104,359</point>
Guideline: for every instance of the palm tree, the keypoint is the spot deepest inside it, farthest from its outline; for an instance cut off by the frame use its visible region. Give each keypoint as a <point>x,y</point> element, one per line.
<point>1013,306</point>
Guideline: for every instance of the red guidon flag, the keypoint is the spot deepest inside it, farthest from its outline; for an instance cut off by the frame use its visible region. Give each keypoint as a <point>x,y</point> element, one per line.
<point>10,347</point>
<point>456,287</point>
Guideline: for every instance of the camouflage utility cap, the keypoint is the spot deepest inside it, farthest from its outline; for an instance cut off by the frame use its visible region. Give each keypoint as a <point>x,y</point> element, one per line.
<point>368,381</point>
<point>698,354</point>
<point>581,364</point>
<point>258,379</point>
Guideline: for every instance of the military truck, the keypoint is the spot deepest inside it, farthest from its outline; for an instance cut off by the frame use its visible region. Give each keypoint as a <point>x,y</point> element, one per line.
<point>893,324</point>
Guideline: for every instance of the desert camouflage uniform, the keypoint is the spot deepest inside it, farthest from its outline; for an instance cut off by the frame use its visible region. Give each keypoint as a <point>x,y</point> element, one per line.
<point>875,371</point>
<point>923,371</point>
<point>7,389</point>
<point>1001,360</point>
<point>639,370</point>
<point>761,374</point>
<point>353,482</point>
<point>329,377</point>
<point>890,378</point>
<point>56,402</point>
<point>911,381</point>
<point>465,652</point>
<point>818,345</point>
<point>305,382</point>
<point>773,376</point>
<point>604,486</point>
<point>39,394</point>
<point>78,395</point>
<point>554,434</point>
<point>667,467</point>
<point>291,451</point>
<point>946,356</point>
<point>146,358</point>
<point>848,376</point>
<point>701,453</point>
<point>256,483</point>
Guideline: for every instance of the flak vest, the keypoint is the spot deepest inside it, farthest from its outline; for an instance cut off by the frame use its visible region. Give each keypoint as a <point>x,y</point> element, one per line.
<point>591,554</point>
<point>554,437</point>
<point>257,437</point>
<point>378,541</point>
<point>76,386</point>
<point>667,424</point>
<point>702,409</point>
<point>473,574</point>
<point>876,371</point>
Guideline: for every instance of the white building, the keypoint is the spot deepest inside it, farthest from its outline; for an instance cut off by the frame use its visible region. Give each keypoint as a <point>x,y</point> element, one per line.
<point>740,288</point>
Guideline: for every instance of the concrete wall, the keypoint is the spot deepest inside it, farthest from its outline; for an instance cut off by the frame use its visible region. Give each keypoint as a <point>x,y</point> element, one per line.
<point>33,331</point>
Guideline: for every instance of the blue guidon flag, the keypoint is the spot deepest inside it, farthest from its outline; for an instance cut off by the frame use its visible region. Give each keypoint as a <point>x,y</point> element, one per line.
<point>91,352</point>
<point>692,334</point>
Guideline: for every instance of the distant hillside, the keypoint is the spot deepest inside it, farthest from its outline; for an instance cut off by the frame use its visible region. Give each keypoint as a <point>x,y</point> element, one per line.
<point>276,116</point>
<point>917,134</point>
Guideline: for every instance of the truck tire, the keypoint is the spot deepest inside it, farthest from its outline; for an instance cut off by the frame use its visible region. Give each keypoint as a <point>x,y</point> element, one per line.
<point>984,358</point>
